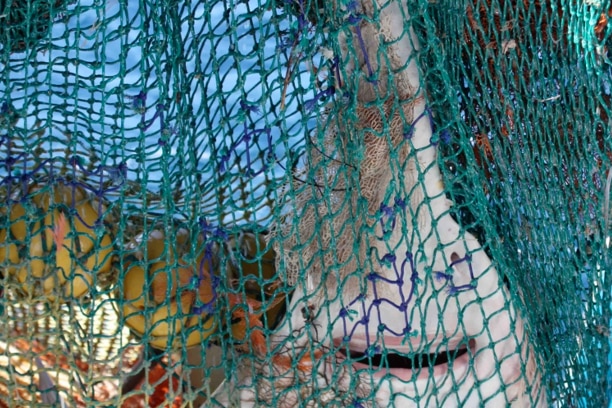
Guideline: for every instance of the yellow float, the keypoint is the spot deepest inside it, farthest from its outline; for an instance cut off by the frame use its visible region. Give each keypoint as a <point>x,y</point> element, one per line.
<point>55,244</point>
<point>166,300</point>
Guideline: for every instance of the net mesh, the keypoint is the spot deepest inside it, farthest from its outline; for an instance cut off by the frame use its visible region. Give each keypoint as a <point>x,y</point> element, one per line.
<point>305,203</point>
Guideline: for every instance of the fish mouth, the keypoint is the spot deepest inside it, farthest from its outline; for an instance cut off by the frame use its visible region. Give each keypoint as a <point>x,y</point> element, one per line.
<point>411,366</point>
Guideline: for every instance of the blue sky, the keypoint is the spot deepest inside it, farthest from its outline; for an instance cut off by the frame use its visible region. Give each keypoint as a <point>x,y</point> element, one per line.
<point>85,90</point>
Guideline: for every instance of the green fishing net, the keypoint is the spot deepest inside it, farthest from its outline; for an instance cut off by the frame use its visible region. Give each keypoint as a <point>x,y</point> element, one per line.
<point>301,203</point>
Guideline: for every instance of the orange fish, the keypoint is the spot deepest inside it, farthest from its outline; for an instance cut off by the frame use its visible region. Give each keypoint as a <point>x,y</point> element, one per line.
<point>162,381</point>
<point>244,322</point>
<point>305,364</point>
<point>248,322</point>
<point>60,229</point>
